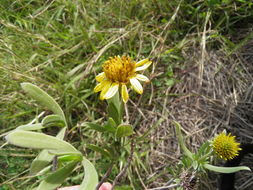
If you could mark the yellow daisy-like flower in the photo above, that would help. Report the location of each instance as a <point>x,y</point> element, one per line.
<point>225,146</point>
<point>117,73</point>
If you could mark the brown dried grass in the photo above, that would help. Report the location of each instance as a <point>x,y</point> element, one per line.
<point>220,99</point>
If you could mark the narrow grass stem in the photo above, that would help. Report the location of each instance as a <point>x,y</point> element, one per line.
<point>123,171</point>
<point>166,187</point>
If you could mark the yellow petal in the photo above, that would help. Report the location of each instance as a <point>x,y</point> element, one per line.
<point>106,87</point>
<point>111,91</point>
<point>100,77</point>
<point>100,86</point>
<point>143,67</point>
<point>142,78</point>
<point>124,93</point>
<point>141,62</point>
<point>136,85</point>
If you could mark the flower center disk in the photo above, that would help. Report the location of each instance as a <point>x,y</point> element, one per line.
<point>119,69</point>
<point>225,146</point>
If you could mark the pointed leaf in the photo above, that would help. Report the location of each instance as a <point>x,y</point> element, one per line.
<point>40,162</point>
<point>114,112</point>
<point>110,125</point>
<point>38,140</point>
<point>124,130</point>
<point>44,158</point>
<point>115,109</point>
<point>31,127</point>
<point>226,169</point>
<point>186,151</point>
<point>53,121</point>
<point>90,180</point>
<point>70,157</point>
<point>43,98</point>
<point>95,126</point>
<point>100,150</point>
<point>55,179</point>
<point>204,149</point>
<point>63,153</point>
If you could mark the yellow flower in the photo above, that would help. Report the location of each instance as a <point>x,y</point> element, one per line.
<point>225,146</point>
<point>117,73</point>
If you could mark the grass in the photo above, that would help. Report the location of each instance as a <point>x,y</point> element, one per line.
<point>60,45</point>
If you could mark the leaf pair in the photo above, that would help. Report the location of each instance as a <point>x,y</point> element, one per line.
<point>110,126</point>
<point>55,179</point>
<point>58,119</point>
<point>24,137</point>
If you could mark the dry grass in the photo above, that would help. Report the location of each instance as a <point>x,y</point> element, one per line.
<point>223,100</point>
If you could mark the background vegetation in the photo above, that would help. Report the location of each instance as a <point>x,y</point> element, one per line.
<point>202,68</point>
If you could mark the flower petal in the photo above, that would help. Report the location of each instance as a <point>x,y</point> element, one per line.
<point>100,86</point>
<point>105,89</point>
<point>111,91</point>
<point>141,62</point>
<point>143,67</point>
<point>142,78</point>
<point>136,85</point>
<point>124,93</point>
<point>100,77</point>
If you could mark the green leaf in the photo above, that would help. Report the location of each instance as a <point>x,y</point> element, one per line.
<point>40,162</point>
<point>30,127</point>
<point>186,151</point>
<point>55,153</point>
<point>226,1</point>
<point>170,82</point>
<point>53,120</point>
<point>30,139</point>
<point>110,125</point>
<point>55,179</point>
<point>226,169</point>
<point>186,161</point>
<point>124,130</point>
<point>95,126</point>
<point>204,149</point>
<point>44,158</point>
<point>43,98</point>
<point>115,109</point>
<point>90,180</point>
<point>170,72</point>
<point>100,150</point>
<point>113,112</point>
<point>195,165</point>
<point>70,157</point>
<point>212,3</point>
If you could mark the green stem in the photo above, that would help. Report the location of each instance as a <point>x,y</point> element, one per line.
<point>186,151</point>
